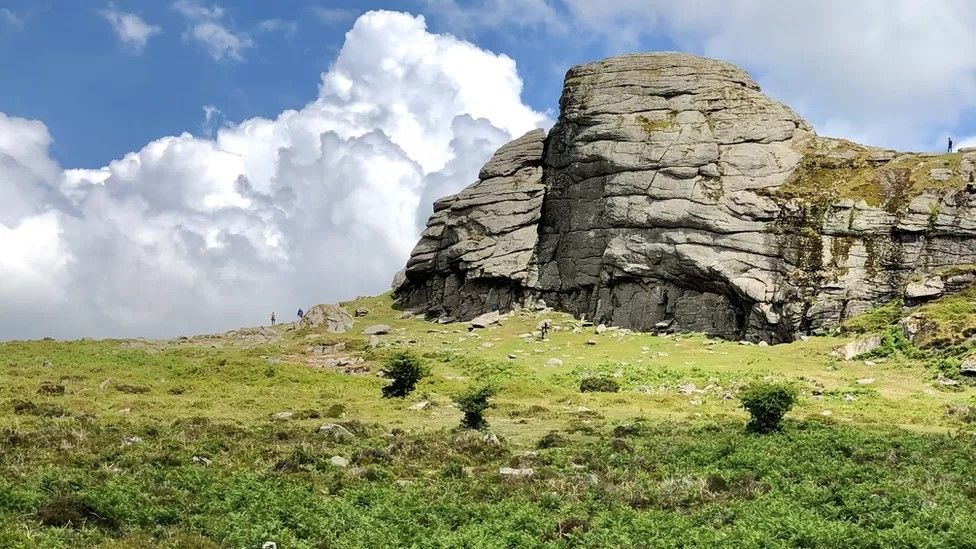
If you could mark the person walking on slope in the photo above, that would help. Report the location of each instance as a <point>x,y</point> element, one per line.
<point>950,145</point>
<point>544,327</point>
<point>301,314</point>
<point>272,318</point>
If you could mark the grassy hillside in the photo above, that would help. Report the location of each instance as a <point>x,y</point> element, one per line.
<point>215,441</point>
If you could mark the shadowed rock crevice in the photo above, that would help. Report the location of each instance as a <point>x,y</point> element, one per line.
<point>673,192</point>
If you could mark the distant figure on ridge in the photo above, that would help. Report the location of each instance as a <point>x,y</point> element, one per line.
<point>301,314</point>
<point>950,144</point>
<point>544,327</point>
<point>272,318</point>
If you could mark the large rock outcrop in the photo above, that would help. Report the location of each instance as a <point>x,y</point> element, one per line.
<point>673,190</point>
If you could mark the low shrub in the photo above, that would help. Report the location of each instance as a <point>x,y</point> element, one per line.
<point>405,370</point>
<point>767,403</point>
<point>599,384</point>
<point>473,404</point>
<point>551,440</point>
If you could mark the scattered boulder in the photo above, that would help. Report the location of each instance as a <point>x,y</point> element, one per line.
<point>968,367</point>
<point>334,318</point>
<point>339,461</point>
<point>859,347</point>
<point>202,460</point>
<point>47,364</point>
<point>485,320</point>
<point>362,311</point>
<point>513,473</point>
<point>336,432</point>
<point>377,329</point>
<point>591,342</point>
<point>419,406</point>
<point>925,289</point>
<point>600,329</point>
<point>283,415</point>
<point>554,362</point>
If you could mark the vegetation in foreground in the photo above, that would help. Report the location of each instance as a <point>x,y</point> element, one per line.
<point>235,441</point>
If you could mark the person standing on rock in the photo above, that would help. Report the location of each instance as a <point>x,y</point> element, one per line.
<point>301,314</point>
<point>272,318</point>
<point>950,145</point>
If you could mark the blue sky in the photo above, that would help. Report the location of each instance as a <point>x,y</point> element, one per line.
<point>64,65</point>
<point>61,63</point>
<point>127,210</point>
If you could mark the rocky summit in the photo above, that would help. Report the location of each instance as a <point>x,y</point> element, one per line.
<point>673,192</point>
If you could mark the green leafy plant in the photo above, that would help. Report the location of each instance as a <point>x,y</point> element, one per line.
<point>473,404</point>
<point>767,403</point>
<point>405,370</point>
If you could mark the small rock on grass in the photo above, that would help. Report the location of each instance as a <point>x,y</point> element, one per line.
<point>419,406</point>
<point>510,472</point>
<point>335,431</point>
<point>377,329</point>
<point>339,461</point>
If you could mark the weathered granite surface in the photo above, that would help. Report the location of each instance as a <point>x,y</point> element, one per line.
<point>673,190</point>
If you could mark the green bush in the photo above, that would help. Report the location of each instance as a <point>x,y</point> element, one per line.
<point>473,404</point>
<point>404,369</point>
<point>599,384</point>
<point>767,403</point>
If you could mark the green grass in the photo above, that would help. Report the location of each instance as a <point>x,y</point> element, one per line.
<point>949,320</point>
<point>182,443</point>
<point>834,169</point>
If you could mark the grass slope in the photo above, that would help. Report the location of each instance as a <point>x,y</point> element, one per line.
<point>183,443</point>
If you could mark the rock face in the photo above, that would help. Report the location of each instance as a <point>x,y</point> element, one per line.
<point>672,190</point>
<point>479,244</point>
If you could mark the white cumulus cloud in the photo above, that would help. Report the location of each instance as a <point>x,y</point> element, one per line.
<point>207,27</point>
<point>193,234</point>
<point>130,28</point>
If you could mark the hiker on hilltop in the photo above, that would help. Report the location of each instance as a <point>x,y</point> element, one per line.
<point>301,314</point>
<point>950,144</point>
<point>272,318</point>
